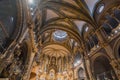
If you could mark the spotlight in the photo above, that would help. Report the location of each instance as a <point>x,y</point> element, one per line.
<point>116,31</point>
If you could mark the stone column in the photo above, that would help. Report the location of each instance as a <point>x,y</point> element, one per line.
<point>85,67</point>
<point>88,66</point>
<point>27,74</point>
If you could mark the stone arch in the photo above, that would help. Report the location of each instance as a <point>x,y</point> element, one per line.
<point>28,51</point>
<point>27,43</point>
<point>102,68</point>
<point>97,55</point>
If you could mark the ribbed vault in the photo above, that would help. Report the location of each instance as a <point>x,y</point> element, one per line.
<point>56,17</point>
<point>63,15</point>
<point>55,51</point>
<point>72,17</point>
<point>69,16</point>
<point>53,39</point>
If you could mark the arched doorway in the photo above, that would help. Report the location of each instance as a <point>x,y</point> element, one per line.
<point>103,70</point>
<point>81,74</point>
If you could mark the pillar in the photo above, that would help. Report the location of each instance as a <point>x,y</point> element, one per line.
<point>88,67</point>
<point>27,74</point>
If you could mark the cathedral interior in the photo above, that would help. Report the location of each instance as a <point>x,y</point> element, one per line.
<point>59,39</point>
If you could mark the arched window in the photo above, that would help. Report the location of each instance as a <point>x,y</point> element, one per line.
<point>81,75</point>
<point>117,14</point>
<point>89,46</point>
<point>107,28</point>
<point>112,21</point>
<point>100,8</point>
<point>77,59</point>
<point>103,70</point>
<point>95,39</point>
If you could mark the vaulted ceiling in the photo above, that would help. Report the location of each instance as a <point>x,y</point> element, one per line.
<point>72,16</point>
<point>57,31</point>
<point>55,17</point>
